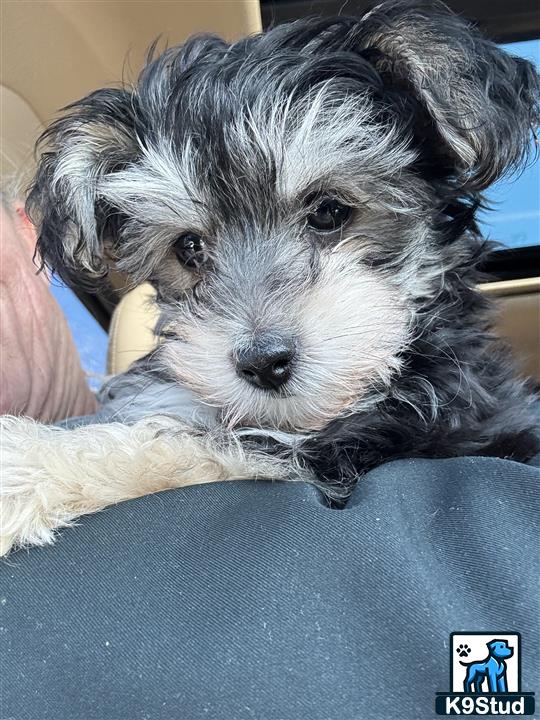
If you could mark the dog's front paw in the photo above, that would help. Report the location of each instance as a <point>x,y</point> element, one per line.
<point>27,510</point>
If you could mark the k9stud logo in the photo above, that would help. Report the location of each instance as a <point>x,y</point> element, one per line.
<point>485,676</point>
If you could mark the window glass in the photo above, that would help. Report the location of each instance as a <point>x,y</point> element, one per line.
<point>90,338</point>
<point>514,217</point>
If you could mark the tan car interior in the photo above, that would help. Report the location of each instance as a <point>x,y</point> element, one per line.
<point>56,51</point>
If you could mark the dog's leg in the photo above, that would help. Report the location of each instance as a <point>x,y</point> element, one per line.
<point>50,476</point>
<point>478,682</point>
<point>468,682</point>
<point>491,676</point>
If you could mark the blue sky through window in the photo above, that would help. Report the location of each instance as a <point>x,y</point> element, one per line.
<point>90,338</point>
<point>514,219</point>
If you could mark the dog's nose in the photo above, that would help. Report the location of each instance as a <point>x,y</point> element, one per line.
<point>266,361</point>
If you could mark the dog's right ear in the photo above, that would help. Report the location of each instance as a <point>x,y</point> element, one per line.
<point>481,102</point>
<point>94,137</point>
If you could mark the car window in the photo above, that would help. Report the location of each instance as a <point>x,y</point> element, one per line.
<point>514,217</point>
<point>90,338</point>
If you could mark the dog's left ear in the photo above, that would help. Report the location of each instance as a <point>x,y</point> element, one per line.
<point>482,102</point>
<point>94,137</point>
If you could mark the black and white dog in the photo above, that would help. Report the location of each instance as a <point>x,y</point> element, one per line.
<point>304,202</point>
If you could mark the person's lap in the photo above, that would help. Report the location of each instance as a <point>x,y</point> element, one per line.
<point>255,600</point>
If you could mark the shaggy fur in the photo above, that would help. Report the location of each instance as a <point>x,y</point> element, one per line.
<point>404,116</point>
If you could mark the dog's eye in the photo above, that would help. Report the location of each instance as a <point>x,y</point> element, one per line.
<point>190,250</point>
<point>329,215</point>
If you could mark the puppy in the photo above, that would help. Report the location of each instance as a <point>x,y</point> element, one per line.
<point>493,669</point>
<point>304,202</point>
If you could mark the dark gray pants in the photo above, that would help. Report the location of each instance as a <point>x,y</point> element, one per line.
<point>254,600</point>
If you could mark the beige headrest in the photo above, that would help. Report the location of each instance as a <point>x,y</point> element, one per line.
<point>131,334</point>
<point>19,129</point>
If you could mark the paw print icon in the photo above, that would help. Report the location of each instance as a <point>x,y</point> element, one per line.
<point>463,650</point>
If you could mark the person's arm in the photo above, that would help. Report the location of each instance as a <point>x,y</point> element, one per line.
<point>40,370</point>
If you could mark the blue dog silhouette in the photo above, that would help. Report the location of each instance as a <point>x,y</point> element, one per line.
<point>493,668</point>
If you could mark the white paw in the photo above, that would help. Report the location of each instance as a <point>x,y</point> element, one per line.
<point>27,513</point>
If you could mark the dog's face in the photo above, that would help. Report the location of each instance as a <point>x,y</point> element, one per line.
<point>286,196</point>
<point>262,237</point>
<point>499,649</point>
<point>274,311</point>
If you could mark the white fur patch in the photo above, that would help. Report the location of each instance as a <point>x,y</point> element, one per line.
<point>63,474</point>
